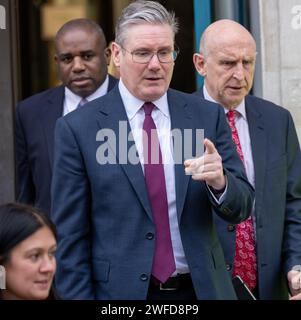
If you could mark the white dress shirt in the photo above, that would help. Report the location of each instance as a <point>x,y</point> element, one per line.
<point>72,100</point>
<point>161,117</point>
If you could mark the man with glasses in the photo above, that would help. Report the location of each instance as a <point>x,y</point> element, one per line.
<point>142,228</point>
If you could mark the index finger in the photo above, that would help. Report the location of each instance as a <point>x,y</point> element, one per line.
<point>210,148</point>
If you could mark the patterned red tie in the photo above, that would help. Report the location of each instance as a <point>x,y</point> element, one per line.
<point>245,255</point>
<point>164,262</point>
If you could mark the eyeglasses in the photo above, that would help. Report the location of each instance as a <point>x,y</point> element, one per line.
<point>144,56</point>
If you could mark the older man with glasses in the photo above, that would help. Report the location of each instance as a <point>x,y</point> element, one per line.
<point>143,230</point>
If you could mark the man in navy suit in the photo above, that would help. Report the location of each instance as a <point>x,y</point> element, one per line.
<point>82,66</point>
<point>271,156</point>
<point>111,241</point>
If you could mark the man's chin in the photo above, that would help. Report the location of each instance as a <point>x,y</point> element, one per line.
<point>82,92</point>
<point>154,92</point>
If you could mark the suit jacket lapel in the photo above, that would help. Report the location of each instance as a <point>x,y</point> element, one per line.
<point>111,113</point>
<point>180,119</point>
<point>258,143</point>
<point>51,110</point>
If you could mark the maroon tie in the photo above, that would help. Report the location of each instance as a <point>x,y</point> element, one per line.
<point>245,255</point>
<point>164,262</point>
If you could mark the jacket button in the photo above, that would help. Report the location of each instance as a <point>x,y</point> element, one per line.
<point>144,277</point>
<point>231,228</point>
<point>226,211</point>
<point>149,236</point>
<point>229,267</point>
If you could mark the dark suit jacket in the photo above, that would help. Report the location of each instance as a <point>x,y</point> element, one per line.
<point>103,214</point>
<point>35,123</point>
<point>277,164</point>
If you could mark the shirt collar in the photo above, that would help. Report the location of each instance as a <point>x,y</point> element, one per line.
<point>241,108</point>
<point>133,105</point>
<point>73,99</point>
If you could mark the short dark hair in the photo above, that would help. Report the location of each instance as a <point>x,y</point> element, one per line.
<point>18,222</point>
<point>81,24</point>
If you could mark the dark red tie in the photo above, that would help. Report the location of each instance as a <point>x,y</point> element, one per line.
<point>245,255</point>
<point>164,262</point>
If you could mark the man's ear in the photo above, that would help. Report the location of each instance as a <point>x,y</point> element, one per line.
<point>108,53</point>
<point>199,64</point>
<point>116,52</point>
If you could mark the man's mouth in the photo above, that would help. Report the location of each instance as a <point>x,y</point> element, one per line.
<point>80,81</point>
<point>153,78</point>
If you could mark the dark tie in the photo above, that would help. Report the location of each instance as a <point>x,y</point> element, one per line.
<point>82,102</point>
<point>163,263</point>
<point>245,255</point>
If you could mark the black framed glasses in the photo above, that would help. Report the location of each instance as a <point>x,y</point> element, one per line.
<point>144,56</point>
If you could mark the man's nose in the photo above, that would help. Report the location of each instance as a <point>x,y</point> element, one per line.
<point>154,62</point>
<point>78,64</point>
<point>238,73</point>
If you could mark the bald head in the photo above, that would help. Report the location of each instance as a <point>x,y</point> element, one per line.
<point>227,62</point>
<point>223,33</point>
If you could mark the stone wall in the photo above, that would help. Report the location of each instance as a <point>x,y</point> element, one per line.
<point>280,54</point>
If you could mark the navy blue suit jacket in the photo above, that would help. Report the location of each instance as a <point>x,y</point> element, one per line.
<point>277,165</point>
<point>35,122</point>
<point>103,214</point>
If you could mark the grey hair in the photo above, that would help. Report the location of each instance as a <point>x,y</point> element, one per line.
<point>141,12</point>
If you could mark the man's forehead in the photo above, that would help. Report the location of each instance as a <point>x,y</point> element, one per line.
<point>234,51</point>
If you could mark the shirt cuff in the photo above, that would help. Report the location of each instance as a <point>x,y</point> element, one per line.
<point>218,196</point>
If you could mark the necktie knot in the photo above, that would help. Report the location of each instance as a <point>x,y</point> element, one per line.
<point>82,102</point>
<point>148,108</point>
<point>231,117</point>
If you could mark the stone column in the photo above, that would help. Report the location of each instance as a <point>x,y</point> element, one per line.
<point>280,56</point>
<point>8,93</point>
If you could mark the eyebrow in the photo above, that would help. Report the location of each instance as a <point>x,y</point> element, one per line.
<point>54,246</point>
<point>68,54</point>
<point>148,49</point>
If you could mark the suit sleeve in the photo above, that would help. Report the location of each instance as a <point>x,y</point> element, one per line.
<point>70,213</point>
<point>292,232</point>
<point>25,186</point>
<point>238,201</point>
